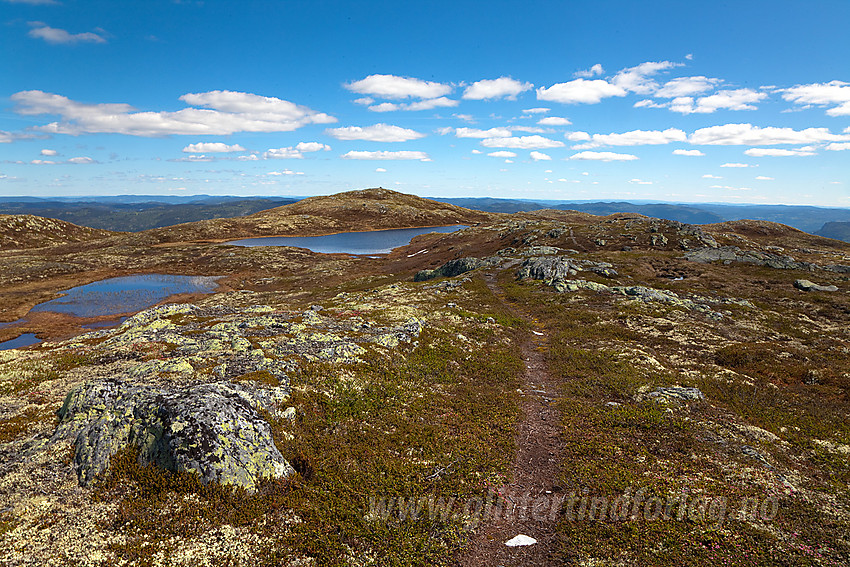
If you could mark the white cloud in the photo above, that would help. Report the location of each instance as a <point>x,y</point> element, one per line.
<point>634,138</point>
<point>580,91</point>
<point>835,94</point>
<point>212,147</point>
<point>649,103</point>
<point>694,153</point>
<point>81,160</point>
<point>686,86</point>
<point>554,121</point>
<point>775,152</point>
<point>522,143</point>
<point>58,36</point>
<point>441,102</point>
<point>531,129</point>
<point>636,79</point>
<point>72,161</point>
<point>465,117</point>
<point>49,152</point>
<point>764,178</point>
<point>6,137</point>
<point>285,172</point>
<point>417,105</point>
<point>376,133</point>
<point>203,158</point>
<point>602,156</point>
<point>710,176</point>
<point>476,151</point>
<point>739,99</point>
<point>365,101</point>
<point>736,165</point>
<point>283,153</point>
<point>540,156</point>
<point>476,133</point>
<point>395,87</point>
<point>837,147</point>
<point>312,147</point>
<point>592,72</point>
<point>503,87</point>
<point>224,113</point>
<point>577,136</point>
<point>385,155</point>
<point>502,154</point>
<point>539,110</point>
<point>380,170</point>
<point>749,135</point>
<point>384,107</point>
<point>640,182</point>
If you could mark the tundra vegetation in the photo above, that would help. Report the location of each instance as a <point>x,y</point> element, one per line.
<point>702,397</point>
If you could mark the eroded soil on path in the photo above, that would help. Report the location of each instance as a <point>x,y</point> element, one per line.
<point>530,500</point>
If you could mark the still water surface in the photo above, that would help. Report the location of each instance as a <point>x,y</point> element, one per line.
<point>127,294</point>
<point>371,242</point>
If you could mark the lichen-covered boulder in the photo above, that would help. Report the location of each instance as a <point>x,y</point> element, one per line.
<point>548,269</point>
<point>215,430</point>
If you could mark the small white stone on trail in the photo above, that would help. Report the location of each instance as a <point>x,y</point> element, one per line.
<point>539,334</point>
<point>519,540</point>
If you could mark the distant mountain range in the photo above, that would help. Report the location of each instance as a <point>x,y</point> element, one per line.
<point>141,212</point>
<point>805,218</point>
<point>134,213</point>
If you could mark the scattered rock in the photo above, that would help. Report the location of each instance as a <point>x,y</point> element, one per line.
<point>659,240</point>
<point>676,394</point>
<point>576,285</point>
<point>806,285</point>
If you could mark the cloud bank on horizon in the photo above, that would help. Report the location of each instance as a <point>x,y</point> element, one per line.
<point>654,129</point>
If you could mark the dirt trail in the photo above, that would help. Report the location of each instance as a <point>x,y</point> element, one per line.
<point>531,498</point>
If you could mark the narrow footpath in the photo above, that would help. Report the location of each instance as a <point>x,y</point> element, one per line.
<point>532,497</point>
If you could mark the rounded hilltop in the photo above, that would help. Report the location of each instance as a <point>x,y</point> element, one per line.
<point>30,231</point>
<point>361,210</point>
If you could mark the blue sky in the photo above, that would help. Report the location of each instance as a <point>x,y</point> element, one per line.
<point>741,102</point>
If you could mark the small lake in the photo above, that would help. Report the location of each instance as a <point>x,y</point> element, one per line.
<point>370,242</point>
<point>26,339</point>
<point>125,294</point>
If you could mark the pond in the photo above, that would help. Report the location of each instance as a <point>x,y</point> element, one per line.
<point>126,294</point>
<point>26,339</point>
<point>371,242</point>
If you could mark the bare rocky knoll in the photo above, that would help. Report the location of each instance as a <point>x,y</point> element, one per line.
<point>30,231</point>
<point>368,209</point>
<point>328,410</point>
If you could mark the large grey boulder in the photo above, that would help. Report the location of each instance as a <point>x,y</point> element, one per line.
<point>553,269</point>
<point>806,285</point>
<point>215,430</point>
<point>548,268</point>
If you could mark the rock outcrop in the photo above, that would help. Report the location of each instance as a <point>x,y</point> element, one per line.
<point>730,254</point>
<point>454,267</point>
